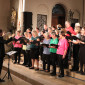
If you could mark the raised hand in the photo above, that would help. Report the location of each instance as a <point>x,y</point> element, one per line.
<point>13,35</point>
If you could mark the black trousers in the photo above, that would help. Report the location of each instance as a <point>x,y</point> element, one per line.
<point>54,60</point>
<point>65,62</point>
<point>1,64</point>
<point>46,60</point>
<point>81,67</point>
<point>17,54</point>
<point>75,57</point>
<point>28,58</point>
<point>25,57</point>
<point>69,52</point>
<point>41,52</point>
<point>60,62</point>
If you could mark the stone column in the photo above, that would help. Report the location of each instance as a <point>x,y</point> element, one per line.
<point>20,15</point>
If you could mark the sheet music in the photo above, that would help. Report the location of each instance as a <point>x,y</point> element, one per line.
<point>24,47</point>
<point>11,53</point>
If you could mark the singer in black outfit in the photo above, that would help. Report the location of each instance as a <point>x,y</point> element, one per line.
<point>82,52</point>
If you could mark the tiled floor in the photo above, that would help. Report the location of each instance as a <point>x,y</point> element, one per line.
<point>26,76</point>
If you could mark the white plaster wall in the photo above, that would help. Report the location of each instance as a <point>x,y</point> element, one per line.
<point>4,13</point>
<point>45,7</point>
<point>15,4</point>
<point>84,12</point>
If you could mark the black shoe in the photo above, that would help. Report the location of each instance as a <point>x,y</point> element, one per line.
<point>1,80</point>
<point>37,69</point>
<point>31,67</point>
<point>60,76</point>
<point>26,65</point>
<point>82,73</point>
<point>72,70</point>
<point>42,69</point>
<point>18,62</point>
<point>53,74</point>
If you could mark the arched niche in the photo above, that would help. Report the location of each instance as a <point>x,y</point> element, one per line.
<point>58,15</point>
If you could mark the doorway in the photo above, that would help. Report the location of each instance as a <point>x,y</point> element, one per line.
<point>58,15</point>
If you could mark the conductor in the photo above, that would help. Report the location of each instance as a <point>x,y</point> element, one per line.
<point>2,50</point>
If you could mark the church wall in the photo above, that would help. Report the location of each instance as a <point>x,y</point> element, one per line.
<point>4,14</point>
<point>84,12</point>
<point>45,7</point>
<point>15,4</point>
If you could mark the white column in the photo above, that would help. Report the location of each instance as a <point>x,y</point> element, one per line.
<point>20,10</point>
<point>23,5</point>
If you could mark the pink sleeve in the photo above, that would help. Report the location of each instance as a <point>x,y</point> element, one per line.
<point>66,44</point>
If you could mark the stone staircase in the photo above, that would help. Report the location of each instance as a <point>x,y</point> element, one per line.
<point>32,76</point>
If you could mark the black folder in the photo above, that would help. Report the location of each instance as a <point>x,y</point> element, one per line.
<point>56,46</point>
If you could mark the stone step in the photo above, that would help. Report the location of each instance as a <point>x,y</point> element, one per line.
<point>40,77</point>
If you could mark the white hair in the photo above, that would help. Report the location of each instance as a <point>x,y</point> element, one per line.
<point>77,24</point>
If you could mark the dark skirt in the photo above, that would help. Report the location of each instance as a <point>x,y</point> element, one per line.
<point>34,53</point>
<point>82,54</point>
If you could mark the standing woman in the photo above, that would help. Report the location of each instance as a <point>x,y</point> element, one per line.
<point>82,51</point>
<point>46,53</point>
<point>24,49</point>
<point>28,49</point>
<point>61,52</point>
<point>76,50</point>
<point>53,50</point>
<point>34,53</point>
<point>17,46</point>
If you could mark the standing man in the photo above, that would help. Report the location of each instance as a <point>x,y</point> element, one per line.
<point>2,51</point>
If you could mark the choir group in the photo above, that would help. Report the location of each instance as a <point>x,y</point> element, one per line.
<point>54,46</point>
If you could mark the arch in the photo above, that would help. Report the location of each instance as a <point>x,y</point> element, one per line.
<point>58,15</point>
<point>64,6</point>
<point>58,9</point>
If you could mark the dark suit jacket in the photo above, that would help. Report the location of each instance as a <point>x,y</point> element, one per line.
<point>2,48</point>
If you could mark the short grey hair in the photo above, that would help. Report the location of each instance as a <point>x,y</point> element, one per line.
<point>53,33</point>
<point>47,34</point>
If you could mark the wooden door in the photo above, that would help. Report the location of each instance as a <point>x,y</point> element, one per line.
<point>58,19</point>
